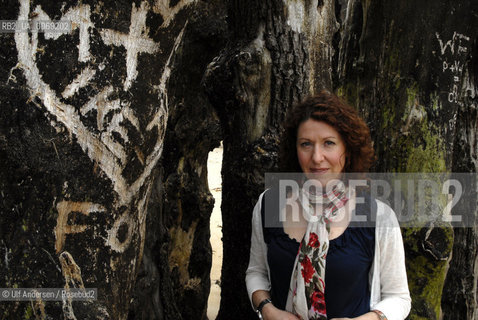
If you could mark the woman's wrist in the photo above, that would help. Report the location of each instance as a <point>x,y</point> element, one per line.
<point>380,314</point>
<point>267,310</point>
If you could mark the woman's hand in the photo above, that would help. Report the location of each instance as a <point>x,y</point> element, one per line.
<point>270,312</point>
<point>367,316</point>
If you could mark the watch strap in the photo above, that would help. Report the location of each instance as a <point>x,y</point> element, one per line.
<point>262,304</point>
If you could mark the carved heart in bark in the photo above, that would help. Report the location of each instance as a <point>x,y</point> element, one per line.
<point>87,78</point>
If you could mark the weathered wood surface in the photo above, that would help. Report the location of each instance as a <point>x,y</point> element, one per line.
<point>278,53</point>
<point>83,125</point>
<point>410,68</point>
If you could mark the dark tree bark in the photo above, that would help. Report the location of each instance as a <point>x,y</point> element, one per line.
<point>411,68</point>
<point>459,300</point>
<point>265,68</point>
<point>174,281</point>
<point>83,124</point>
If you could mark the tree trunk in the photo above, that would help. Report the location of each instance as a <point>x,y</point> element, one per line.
<point>174,281</point>
<point>459,300</point>
<point>266,67</point>
<point>411,68</point>
<point>83,124</point>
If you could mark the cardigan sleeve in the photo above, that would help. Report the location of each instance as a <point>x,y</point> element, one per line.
<point>394,301</point>
<point>257,273</point>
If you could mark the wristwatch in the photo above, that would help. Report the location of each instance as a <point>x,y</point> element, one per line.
<point>261,305</point>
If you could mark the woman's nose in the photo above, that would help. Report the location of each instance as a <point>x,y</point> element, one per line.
<point>318,155</point>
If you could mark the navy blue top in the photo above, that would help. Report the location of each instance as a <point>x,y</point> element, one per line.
<point>348,262</point>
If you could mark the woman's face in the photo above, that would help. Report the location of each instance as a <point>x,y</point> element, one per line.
<point>321,150</point>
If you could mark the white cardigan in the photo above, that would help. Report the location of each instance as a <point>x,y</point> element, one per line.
<point>387,278</point>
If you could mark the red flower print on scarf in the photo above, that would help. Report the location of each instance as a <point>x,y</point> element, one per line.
<point>318,301</point>
<point>307,269</point>
<point>314,240</point>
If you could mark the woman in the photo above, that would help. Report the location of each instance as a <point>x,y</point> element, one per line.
<point>316,265</point>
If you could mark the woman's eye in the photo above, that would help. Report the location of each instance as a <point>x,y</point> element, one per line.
<point>329,143</point>
<point>305,144</point>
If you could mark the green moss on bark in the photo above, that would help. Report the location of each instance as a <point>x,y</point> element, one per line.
<point>349,93</point>
<point>411,143</point>
<point>427,157</point>
<point>426,276</point>
<point>424,151</point>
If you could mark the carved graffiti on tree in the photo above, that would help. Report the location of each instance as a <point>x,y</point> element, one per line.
<point>453,53</point>
<point>123,142</point>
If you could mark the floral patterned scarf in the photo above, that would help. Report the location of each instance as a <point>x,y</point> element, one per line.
<point>306,293</point>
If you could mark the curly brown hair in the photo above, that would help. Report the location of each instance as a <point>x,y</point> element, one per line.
<point>329,108</point>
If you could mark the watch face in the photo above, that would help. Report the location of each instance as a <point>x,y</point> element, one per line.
<point>259,314</point>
